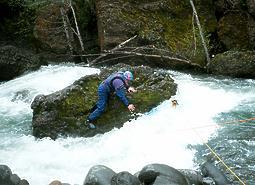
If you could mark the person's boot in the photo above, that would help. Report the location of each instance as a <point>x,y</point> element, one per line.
<point>90,125</point>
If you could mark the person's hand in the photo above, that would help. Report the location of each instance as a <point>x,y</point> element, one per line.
<point>131,90</point>
<point>131,107</point>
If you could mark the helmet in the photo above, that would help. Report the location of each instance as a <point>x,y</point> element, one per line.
<point>128,76</point>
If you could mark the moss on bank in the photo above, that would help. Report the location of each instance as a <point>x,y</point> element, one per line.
<point>169,24</point>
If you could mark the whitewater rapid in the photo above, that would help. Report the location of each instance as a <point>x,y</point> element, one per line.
<point>159,136</point>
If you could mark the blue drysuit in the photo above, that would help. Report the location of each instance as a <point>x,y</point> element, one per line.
<point>113,84</point>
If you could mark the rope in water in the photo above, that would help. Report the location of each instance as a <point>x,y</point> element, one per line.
<point>228,168</point>
<point>213,125</point>
<point>218,157</point>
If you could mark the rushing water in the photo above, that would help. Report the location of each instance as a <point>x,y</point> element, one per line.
<point>173,136</point>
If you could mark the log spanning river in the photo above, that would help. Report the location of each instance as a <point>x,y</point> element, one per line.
<point>213,112</point>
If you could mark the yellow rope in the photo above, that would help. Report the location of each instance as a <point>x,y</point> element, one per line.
<point>224,163</point>
<point>217,156</point>
<point>214,125</point>
<point>242,120</point>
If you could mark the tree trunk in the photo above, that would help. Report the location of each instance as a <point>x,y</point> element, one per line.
<point>66,30</point>
<point>201,33</point>
<point>76,25</point>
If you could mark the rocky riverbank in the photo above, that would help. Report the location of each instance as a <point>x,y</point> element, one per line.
<point>167,34</point>
<point>151,174</point>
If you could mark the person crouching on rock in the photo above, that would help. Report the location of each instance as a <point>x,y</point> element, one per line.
<point>116,83</point>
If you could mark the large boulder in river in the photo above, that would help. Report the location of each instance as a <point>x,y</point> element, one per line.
<point>64,112</point>
<point>234,63</point>
<point>15,61</point>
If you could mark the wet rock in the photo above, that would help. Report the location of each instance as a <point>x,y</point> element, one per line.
<point>64,112</point>
<point>192,176</point>
<point>208,181</point>
<point>5,173</point>
<point>99,175</point>
<point>210,170</point>
<point>57,182</point>
<point>159,174</point>
<point>7,178</point>
<point>234,63</point>
<point>15,61</point>
<point>152,174</point>
<point>125,178</point>
<point>23,182</point>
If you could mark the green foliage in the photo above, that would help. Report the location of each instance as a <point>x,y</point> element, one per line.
<point>20,25</point>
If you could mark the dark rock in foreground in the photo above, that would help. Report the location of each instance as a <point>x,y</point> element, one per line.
<point>64,112</point>
<point>161,174</point>
<point>7,178</point>
<point>151,174</point>
<point>209,169</point>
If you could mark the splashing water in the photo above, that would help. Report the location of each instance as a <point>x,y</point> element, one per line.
<point>159,136</point>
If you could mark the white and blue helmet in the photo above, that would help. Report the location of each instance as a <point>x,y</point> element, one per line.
<point>128,76</point>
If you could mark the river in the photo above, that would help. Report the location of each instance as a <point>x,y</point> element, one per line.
<point>208,112</point>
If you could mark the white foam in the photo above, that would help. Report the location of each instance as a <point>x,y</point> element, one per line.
<point>160,136</point>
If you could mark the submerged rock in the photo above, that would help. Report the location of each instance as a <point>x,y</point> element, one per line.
<point>64,112</point>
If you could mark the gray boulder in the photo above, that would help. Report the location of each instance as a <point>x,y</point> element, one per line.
<point>210,170</point>
<point>161,174</point>
<point>99,175</point>
<point>15,61</point>
<point>234,63</point>
<point>192,176</point>
<point>125,178</point>
<point>7,178</point>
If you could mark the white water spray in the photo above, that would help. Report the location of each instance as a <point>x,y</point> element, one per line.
<point>160,136</point>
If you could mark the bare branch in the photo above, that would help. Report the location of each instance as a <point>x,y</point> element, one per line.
<point>123,43</point>
<point>132,54</point>
<point>194,33</point>
<point>74,31</point>
<point>76,25</point>
<point>151,55</point>
<point>115,58</point>
<point>114,49</point>
<point>87,55</point>
<point>66,30</point>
